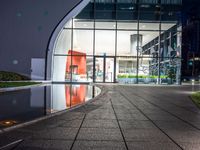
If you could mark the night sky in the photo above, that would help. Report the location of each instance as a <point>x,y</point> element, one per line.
<point>191,9</point>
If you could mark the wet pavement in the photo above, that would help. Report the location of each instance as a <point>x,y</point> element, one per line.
<point>122,117</point>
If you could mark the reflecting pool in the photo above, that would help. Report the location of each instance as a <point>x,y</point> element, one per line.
<point>24,105</point>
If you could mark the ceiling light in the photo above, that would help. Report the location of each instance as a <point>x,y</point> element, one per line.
<point>144,6</point>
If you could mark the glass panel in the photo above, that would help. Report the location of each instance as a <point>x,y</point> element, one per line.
<point>83,24</point>
<point>87,12</point>
<point>60,71</point>
<point>126,70</point>
<point>126,10</point>
<point>105,1</point>
<point>167,25</point>
<point>105,14</point>
<point>143,70</point>
<point>127,14</point>
<point>104,42</point>
<point>105,25</point>
<point>63,43</point>
<point>148,57</point>
<point>109,72</point>
<point>149,37</point>
<point>149,12</point>
<point>171,15</point>
<point>81,68</point>
<point>126,43</point>
<point>171,1</point>
<point>83,42</point>
<point>99,69</point>
<point>148,1</point>
<point>170,71</point>
<point>149,26</point>
<point>126,1</point>
<point>127,25</point>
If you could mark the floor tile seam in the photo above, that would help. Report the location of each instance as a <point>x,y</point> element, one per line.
<point>172,103</point>
<point>119,125</point>
<point>144,99</point>
<point>152,121</point>
<point>78,132</point>
<point>169,113</point>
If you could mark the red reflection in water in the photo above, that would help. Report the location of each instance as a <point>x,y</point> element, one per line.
<point>78,94</point>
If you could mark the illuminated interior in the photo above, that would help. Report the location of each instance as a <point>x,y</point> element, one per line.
<point>99,48</point>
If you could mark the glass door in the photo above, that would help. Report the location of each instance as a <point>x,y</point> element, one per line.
<point>99,69</point>
<point>104,69</point>
<point>109,70</point>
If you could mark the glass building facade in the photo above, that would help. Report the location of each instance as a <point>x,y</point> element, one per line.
<point>124,41</point>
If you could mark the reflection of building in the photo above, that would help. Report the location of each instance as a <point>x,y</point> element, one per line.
<point>122,41</point>
<point>75,95</point>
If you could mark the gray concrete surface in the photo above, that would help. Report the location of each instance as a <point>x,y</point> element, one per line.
<point>124,117</point>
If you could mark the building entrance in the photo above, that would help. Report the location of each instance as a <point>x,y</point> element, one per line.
<point>104,69</point>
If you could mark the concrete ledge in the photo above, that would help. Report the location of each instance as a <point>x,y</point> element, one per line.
<point>41,83</point>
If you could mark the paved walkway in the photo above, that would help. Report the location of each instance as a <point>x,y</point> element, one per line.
<point>123,117</point>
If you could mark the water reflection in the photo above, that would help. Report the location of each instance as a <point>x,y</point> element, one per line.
<point>25,105</point>
<point>66,96</point>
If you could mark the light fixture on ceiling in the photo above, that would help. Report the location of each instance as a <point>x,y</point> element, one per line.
<point>143,26</point>
<point>144,6</point>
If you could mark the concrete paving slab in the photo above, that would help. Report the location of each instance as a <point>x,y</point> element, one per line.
<point>45,145</point>
<point>100,134</point>
<point>59,133</point>
<point>100,124</point>
<point>136,124</point>
<point>145,135</point>
<point>144,145</point>
<point>99,145</point>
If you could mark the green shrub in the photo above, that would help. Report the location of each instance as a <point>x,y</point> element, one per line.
<point>163,76</point>
<point>122,76</point>
<point>16,84</point>
<point>132,76</point>
<point>11,76</point>
<point>196,98</point>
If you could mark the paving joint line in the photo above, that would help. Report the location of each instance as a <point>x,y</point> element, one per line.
<point>119,125</point>
<point>151,120</point>
<point>78,132</point>
<point>168,112</point>
<point>173,103</point>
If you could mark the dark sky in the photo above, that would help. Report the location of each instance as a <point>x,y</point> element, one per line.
<point>190,10</point>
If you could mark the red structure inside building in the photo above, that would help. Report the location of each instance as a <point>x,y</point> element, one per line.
<point>76,63</point>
